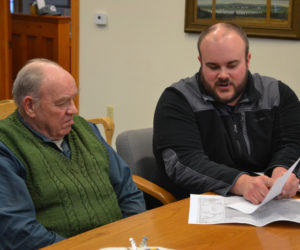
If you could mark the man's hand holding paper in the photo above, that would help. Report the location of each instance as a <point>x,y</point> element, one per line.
<point>291,186</point>
<point>275,191</point>
<point>253,189</point>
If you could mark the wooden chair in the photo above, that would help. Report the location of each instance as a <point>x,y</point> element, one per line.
<point>109,127</point>
<point>8,106</point>
<point>153,190</point>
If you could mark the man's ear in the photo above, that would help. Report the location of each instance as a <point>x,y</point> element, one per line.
<point>28,105</point>
<point>248,59</point>
<point>199,59</point>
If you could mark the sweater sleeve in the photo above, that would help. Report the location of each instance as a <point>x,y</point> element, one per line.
<point>286,146</point>
<point>19,228</point>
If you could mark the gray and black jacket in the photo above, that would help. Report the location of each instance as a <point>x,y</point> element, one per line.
<point>202,145</point>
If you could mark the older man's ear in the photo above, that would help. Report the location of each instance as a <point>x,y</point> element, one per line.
<point>29,106</point>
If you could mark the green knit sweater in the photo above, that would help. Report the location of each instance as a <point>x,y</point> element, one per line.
<point>70,195</point>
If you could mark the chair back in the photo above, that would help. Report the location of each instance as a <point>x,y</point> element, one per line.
<point>7,107</point>
<point>135,147</point>
<point>109,127</point>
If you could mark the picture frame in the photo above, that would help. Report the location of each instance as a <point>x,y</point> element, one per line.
<point>262,18</point>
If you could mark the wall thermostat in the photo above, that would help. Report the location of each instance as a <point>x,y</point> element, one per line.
<point>100,19</point>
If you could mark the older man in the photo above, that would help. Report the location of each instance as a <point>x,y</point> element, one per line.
<point>214,131</point>
<point>58,176</point>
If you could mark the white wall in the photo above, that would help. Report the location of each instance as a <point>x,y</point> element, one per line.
<point>143,49</point>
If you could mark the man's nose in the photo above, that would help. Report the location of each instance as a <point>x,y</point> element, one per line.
<point>223,75</point>
<point>72,109</point>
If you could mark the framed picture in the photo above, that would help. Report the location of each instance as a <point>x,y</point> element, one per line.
<point>260,18</point>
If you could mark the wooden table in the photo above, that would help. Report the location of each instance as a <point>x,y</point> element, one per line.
<point>167,226</point>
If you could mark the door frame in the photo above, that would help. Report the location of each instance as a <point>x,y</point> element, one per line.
<point>75,44</point>
<point>5,50</point>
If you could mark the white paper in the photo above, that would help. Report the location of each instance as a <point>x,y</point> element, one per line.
<point>248,208</point>
<point>212,209</point>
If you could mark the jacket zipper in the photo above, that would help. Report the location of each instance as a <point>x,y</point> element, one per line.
<point>236,137</point>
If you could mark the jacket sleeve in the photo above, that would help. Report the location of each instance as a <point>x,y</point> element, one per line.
<point>130,198</point>
<point>178,147</point>
<point>19,228</point>
<point>286,136</point>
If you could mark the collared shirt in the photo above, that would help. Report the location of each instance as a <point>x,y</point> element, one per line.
<point>19,228</point>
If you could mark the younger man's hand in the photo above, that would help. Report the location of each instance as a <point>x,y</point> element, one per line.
<point>291,186</point>
<point>253,189</point>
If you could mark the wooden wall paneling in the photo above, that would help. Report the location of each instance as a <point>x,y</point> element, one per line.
<point>18,57</point>
<point>63,44</point>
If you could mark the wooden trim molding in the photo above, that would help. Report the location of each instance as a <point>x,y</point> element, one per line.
<point>75,44</point>
<point>5,50</point>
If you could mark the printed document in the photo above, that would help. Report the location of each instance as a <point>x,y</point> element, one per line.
<point>212,209</point>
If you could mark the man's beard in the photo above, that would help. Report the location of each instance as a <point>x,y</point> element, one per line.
<point>238,90</point>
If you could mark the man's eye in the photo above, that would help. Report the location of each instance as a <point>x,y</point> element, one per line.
<point>213,67</point>
<point>232,65</point>
<point>61,104</point>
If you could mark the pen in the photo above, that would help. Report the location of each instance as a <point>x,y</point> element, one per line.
<point>133,245</point>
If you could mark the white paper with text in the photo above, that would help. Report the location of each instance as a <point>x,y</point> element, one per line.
<point>213,209</point>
